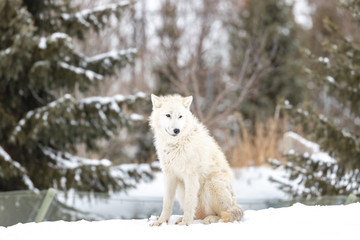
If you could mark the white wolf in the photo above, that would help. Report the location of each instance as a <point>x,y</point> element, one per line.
<point>194,166</point>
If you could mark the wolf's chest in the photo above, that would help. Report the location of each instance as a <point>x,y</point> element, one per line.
<point>174,151</point>
<point>175,156</point>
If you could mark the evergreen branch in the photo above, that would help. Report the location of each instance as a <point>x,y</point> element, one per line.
<point>284,184</point>
<point>80,22</point>
<point>5,52</point>
<point>352,6</point>
<point>60,69</point>
<point>11,170</point>
<point>350,94</point>
<point>15,55</point>
<point>74,121</point>
<point>6,121</point>
<point>92,174</point>
<point>37,62</point>
<point>339,70</point>
<point>68,68</point>
<point>64,160</point>
<point>131,174</point>
<point>308,177</point>
<point>84,77</point>
<point>60,41</point>
<point>341,144</point>
<point>105,63</point>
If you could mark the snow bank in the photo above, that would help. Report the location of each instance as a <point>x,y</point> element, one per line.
<point>295,143</point>
<point>296,222</point>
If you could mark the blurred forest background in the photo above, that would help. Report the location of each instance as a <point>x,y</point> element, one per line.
<point>240,59</point>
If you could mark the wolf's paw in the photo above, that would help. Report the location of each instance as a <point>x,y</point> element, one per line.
<point>158,222</point>
<point>183,221</point>
<point>211,219</point>
<point>179,220</point>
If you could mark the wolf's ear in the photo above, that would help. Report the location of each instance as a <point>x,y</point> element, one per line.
<point>187,102</point>
<point>156,101</point>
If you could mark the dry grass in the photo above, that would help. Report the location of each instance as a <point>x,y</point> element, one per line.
<point>253,149</point>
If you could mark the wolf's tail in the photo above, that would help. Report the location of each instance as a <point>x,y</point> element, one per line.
<point>235,213</point>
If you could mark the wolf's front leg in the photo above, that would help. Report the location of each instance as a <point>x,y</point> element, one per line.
<point>168,199</point>
<point>192,187</point>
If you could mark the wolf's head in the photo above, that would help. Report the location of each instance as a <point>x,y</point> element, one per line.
<point>170,114</point>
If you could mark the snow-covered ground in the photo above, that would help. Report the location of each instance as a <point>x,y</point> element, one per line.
<point>296,222</point>
<point>252,186</point>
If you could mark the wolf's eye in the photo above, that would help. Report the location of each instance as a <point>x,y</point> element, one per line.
<point>180,116</point>
<point>168,115</point>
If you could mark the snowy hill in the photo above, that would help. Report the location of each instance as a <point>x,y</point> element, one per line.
<point>296,222</point>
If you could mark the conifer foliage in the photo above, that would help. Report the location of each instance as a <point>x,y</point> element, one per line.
<point>338,72</point>
<point>39,125</point>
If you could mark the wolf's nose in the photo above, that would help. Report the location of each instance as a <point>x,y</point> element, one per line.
<point>176,131</point>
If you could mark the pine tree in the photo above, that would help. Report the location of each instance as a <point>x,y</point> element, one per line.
<point>39,126</point>
<point>263,45</point>
<point>337,73</point>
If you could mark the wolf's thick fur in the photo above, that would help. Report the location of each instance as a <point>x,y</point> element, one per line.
<point>194,166</point>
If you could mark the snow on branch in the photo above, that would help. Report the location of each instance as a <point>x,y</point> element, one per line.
<point>54,38</point>
<point>113,7</point>
<point>41,113</point>
<point>65,68</point>
<point>309,171</point>
<point>66,160</point>
<point>90,75</point>
<point>294,142</point>
<point>9,166</point>
<point>341,141</point>
<point>113,101</point>
<point>73,67</point>
<point>96,17</point>
<point>308,176</point>
<point>93,170</point>
<point>6,56</point>
<point>112,55</point>
<point>5,52</point>
<point>73,121</point>
<point>131,174</point>
<point>105,63</point>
